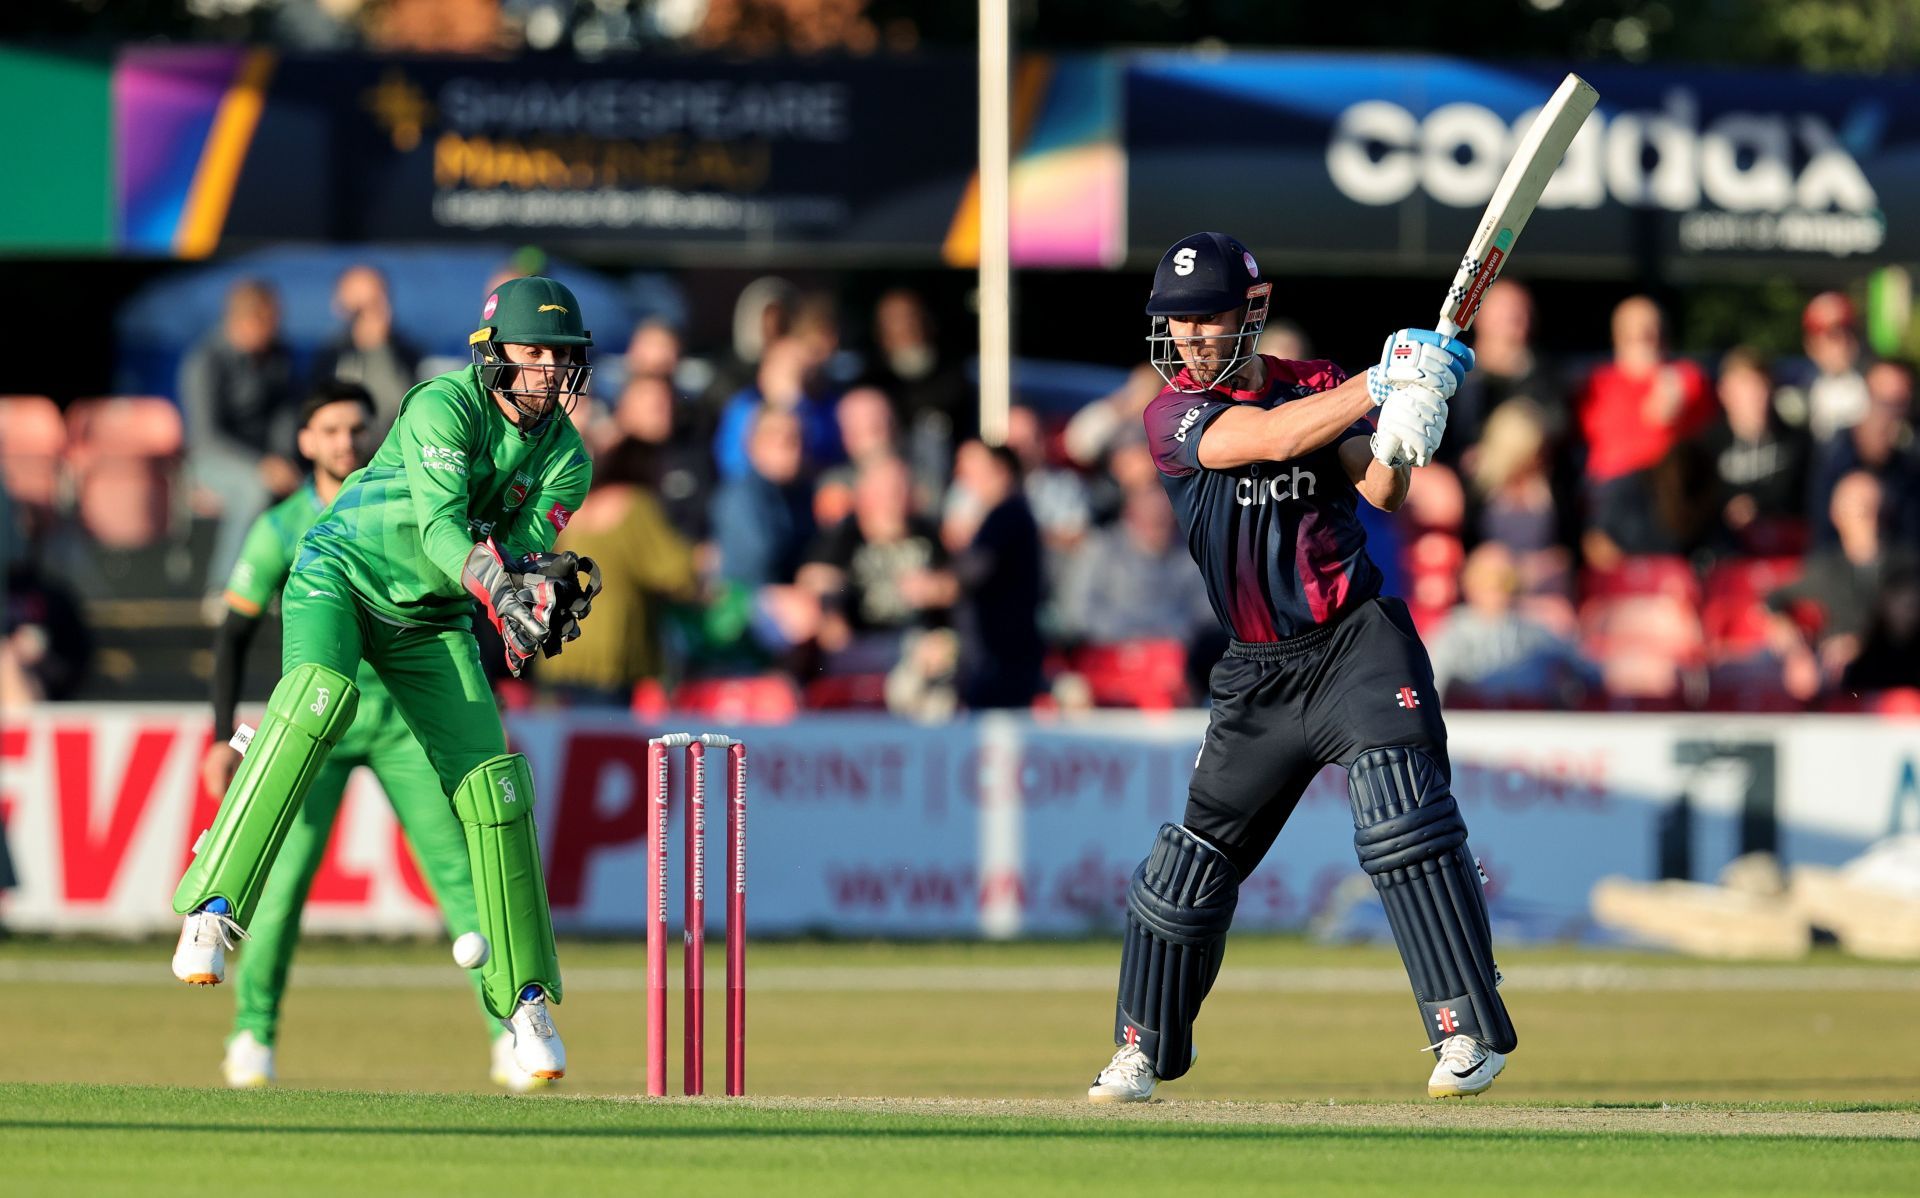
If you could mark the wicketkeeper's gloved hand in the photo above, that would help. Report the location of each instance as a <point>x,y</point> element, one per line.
<point>514,608</point>
<point>564,586</point>
<point>1422,356</point>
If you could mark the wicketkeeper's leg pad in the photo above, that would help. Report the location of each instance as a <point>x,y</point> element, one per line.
<point>1179,907</point>
<point>1411,839</point>
<point>495,804</point>
<point>307,714</point>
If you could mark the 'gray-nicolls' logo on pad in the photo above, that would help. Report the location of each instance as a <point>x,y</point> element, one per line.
<point>1408,698</point>
<point>1445,1019</point>
<point>1132,1034</point>
<point>517,490</point>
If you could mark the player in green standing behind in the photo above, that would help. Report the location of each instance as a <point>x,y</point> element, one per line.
<point>334,436</point>
<point>461,502</point>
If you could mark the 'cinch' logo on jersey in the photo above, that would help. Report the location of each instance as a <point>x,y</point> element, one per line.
<point>1250,492</point>
<point>517,491</point>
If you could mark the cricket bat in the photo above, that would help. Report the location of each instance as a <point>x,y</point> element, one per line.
<point>1514,200</point>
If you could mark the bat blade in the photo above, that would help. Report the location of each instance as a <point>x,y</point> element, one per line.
<point>1514,200</point>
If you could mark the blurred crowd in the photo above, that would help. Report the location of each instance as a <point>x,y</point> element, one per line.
<point>804,516</point>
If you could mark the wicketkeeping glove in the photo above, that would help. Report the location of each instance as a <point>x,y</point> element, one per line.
<point>567,597</point>
<point>510,604</point>
<point>1420,356</point>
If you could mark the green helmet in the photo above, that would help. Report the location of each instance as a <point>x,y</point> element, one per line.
<point>532,311</point>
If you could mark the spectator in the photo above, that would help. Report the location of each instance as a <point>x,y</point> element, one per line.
<point>237,392</point>
<point>1632,413</point>
<point>1505,367</point>
<point>1495,654</point>
<point>762,315</point>
<point>1759,463</point>
<point>645,565</point>
<point>879,572</point>
<point>864,417</point>
<point>1880,443</point>
<point>1830,394</point>
<point>763,521</point>
<point>48,648</point>
<point>1098,427</point>
<point>788,380</point>
<point>676,466</point>
<point>1890,646</point>
<point>367,351</point>
<point>1135,580</point>
<point>1283,339</point>
<point>1514,500</point>
<point>653,351</point>
<point>997,562</point>
<point>1841,586</point>
<point>1057,496</point>
<point>937,407</point>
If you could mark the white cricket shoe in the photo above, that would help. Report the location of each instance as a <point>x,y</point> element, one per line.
<point>200,959</point>
<point>1129,1077</point>
<point>249,1063</point>
<point>536,1046</point>
<point>507,1072</point>
<point>1466,1067</point>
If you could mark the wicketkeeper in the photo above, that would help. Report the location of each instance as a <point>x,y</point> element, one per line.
<point>335,435</point>
<point>461,502</point>
<point>1265,461</point>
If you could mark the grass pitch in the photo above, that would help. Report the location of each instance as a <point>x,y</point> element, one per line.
<point>1636,1074</point>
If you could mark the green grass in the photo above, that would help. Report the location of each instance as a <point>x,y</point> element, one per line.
<point>385,1090</point>
<point>85,1139</point>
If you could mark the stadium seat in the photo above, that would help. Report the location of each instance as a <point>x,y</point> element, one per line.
<point>761,698</point>
<point>1649,647</point>
<point>33,439</point>
<point>1651,574</point>
<point>125,455</point>
<point>847,692</point>
<point>1734,611</point>
<point>1147,674</point>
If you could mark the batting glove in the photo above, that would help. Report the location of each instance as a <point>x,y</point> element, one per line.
<point>1420,356</point>
<point>1410,426</point>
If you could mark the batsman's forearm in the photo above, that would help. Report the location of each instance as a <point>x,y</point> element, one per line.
<point>1304,425</point>
<point>1385,487</point>
<point>230,646</point>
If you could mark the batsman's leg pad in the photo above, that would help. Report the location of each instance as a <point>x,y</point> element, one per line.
<point>495,803</point>
<point>1412,841</point>
<point>1179,907</point>
<point>307,714</point>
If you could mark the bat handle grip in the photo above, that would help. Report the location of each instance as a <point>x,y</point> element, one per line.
<point>1446,328</point>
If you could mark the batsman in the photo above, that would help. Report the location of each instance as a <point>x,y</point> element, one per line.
<point>1265,461</point>
<point>461,502</point>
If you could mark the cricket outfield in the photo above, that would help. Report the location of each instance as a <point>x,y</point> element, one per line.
<point>957,1068</point>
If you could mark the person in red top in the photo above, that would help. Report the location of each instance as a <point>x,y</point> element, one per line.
<point>1633,411</point>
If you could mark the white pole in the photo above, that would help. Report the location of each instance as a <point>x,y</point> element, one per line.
<point>996,289</point>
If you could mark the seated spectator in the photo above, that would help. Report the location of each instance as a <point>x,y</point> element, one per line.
<point>653,351</point>
<point>1890,647</point>
<point>762,315</point>
<point>1505,367</point>
<point>238,396</point>
<point>1881,443</point>
<point>1098,427</point>
<point>1057,496</point>
<point>1759,463</point>
<point>1510,485</point>
<point>1828,394</point>
<point>367,351</point>
<point>864,416</point>
<point>1135,581</point>
<point>763,521</point>
<point>1633,411</point>
<point>1842,585</point>
<point>937,407</point>
<point>1498,655</point>
<point>788,380</point>
<point>879,572</point>
<point>1281,338</point>
<point>678,466</point>
<point>997,561</point>
<point>644,564</point>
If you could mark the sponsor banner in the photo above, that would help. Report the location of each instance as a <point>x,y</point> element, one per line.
<point>997,826</point>
<point>1391,161</point>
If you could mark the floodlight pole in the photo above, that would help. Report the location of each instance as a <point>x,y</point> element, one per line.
<point>996,282</point>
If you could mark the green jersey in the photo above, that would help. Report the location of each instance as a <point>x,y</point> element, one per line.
<point>452,472</point>
<point>266,559</point>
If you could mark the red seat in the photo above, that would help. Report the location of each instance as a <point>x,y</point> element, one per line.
<point>1734,613</point>
<point>1649,646</point>
<point>1651,574</point>
<point>761,698</point>
<point>848,692</point>
<point>125,453</point>
<point>33,440</point>
<point>1151,675</point>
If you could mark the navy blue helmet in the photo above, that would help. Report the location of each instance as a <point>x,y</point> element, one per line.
<point>1203,275</point>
